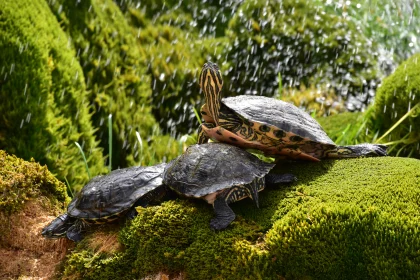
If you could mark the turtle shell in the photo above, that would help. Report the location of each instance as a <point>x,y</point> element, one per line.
<point>208,168</point>
<point>111,194</point>
<point>277,113</point>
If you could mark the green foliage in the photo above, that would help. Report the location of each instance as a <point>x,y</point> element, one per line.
<point>399,94</point>
<point>334,223</point>
<point>22,180</point>
<point>393,24</point>
<point>345,128</point>
<point>44,100</point>
<point>115,72</point>
<point>318,101</point>
<point>301,41</point>
<point>208,18</point>
<point>175,58</point>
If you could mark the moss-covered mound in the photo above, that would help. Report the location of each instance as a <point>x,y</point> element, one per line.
<point>21,181</point>
<point>30,197</point>
<point>44,104</point>
<point>399,93</point>
<point>298,39</point>
<point>343,219</point>
<point>115,72</point>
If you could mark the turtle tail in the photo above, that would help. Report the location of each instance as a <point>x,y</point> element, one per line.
<point>361,150</point>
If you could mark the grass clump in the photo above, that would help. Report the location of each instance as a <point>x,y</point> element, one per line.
<point>335,222</point>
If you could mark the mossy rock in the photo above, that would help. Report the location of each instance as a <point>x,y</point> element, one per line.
<point>22,180</point>
<point>336,222</point>
<point>298,39</point>
<point>116,73</point>
<point>43,96</point>
<point>398,94</point>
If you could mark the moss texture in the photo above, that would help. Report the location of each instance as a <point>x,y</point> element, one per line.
<point>22,180</point>
<point>115,72</point>
<point>44,101</point>
<point>336,222</point>
<point>399,93</point>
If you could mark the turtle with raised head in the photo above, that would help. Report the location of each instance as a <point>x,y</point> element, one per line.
<point>107,198</point>
<point>277,128</point>
<point>220,174</point>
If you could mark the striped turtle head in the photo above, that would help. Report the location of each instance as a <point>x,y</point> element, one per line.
<point>211,83</point>
<point>58,227</point>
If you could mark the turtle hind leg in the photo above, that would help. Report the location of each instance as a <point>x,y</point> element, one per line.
<point>224,215</point>
<point>274,179</point>
<point>361,150</point>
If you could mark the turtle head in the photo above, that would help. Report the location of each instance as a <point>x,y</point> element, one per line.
<point>58,227</point>
<point>211,83</point>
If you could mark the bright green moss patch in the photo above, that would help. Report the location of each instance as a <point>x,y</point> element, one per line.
<point>22,180</point>
<point>44,106</point>
<point>343,219</point>
<point>115,73</point>
<point>399,93</point>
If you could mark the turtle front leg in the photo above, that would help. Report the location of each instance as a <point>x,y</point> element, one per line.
<point>74,233</point>
<point>224,214</point>
<point>202,135</point>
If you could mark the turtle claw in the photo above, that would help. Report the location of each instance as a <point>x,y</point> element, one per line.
<point>220,223</point>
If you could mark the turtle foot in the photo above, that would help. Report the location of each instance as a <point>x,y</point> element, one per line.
<point>274,179</point>
<point>220,223</point>
<point>224,214</point>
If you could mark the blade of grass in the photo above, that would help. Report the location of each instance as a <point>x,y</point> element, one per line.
<point>110,141</point>
<point>69,187</point>
<point>196,114</point>
<point>84,158</point>
<point>398,123</point>
<point>141,146</point>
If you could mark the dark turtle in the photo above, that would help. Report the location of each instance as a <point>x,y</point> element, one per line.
<point>273,126</point>
<point>220,174</point>
<point>106,198</point>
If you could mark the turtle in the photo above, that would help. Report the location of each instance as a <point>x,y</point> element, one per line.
<point>277,128</point>
<point>220,174</point>
<point>106,198</point>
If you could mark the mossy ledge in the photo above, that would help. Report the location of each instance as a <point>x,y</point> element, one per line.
<point>343,219</point>
<point>22,180</point>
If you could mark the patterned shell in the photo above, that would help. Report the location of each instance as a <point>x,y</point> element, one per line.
<point>208,168</point>
<point>280,114</point>
<point>115,192</point>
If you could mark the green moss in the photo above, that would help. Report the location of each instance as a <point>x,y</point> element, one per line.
<point>22,180</point>
<point>399,93</point>
<point>301,41</point>
<point>115,72</point>
<point>44,101</point>
<point>336,222</point>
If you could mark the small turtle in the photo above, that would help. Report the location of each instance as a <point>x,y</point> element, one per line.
<point>220,174</point>
<point>273,126</point>
<point>107,198</point>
